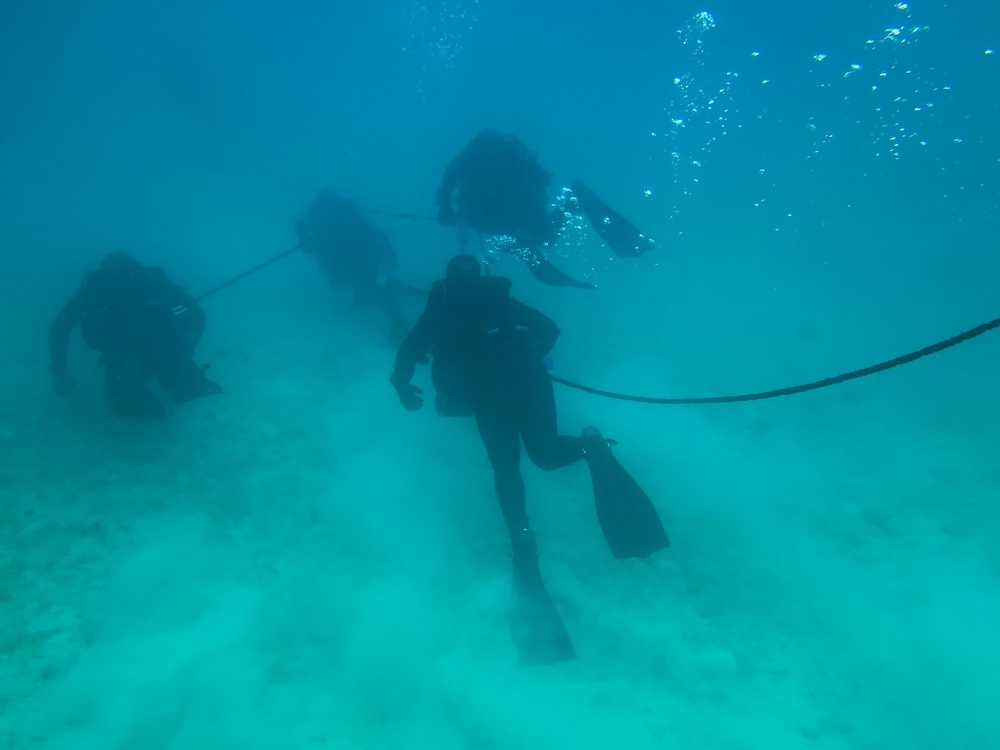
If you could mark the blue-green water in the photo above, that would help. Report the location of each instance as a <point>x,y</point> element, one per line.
<point>299,563</point>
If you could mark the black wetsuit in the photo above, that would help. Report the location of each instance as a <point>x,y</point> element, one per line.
<point>488,351</point>
<point>144,326</point>
<point>353,253</point>
<point>501,190</point>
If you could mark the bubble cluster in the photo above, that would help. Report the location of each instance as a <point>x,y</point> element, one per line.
<point>436,34</point>
<point>569,241</point>
<point>885,88</point>
<point>692,35</point>
<point>701,104</point>
<point>571,224</point>
<point>495,244</point>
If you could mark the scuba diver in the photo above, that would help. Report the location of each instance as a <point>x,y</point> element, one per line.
<point>353,252</point>
<point>143,325</point>
<point>488,361</point>
<point>501,190</point>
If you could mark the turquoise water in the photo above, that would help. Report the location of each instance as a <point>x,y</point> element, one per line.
<point>300,563</point>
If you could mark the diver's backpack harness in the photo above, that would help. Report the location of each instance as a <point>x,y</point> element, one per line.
<point>484,332</point>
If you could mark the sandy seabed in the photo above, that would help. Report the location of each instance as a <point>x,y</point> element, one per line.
<point>299,563</point>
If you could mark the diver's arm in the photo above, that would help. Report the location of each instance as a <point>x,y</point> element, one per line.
<point>66,320</point>
<point>414,348</point>
<point>417,343</point>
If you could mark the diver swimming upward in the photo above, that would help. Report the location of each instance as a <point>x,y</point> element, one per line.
<point>501,190</point>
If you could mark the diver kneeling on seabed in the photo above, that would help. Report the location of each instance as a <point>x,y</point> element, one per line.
<point>144,326</point>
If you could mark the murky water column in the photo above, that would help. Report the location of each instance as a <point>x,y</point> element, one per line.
<point>886,89</point>
<point>436,34</point>
<point>701,109</point>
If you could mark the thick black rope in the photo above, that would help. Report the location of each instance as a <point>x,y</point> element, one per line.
<point>411,217</point>
<point>789,391</point>
<point>824,383</point>
<point>279,256</point>
<point>255,269</point>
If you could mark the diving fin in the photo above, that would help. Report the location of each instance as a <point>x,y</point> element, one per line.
<point>547,273</point>
<point>629,520</point>
<point>621,235</point>
<point>185,381</point>
<point>535,625</point>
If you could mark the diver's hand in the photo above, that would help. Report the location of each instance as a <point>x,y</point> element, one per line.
<point>409,396</point>
<point>63,382</point>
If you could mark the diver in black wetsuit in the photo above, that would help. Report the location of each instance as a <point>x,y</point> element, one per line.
<point>143,325</point>
<point>488,361</point>
<point>501,190</point>
<point>352,252</point>
<point>488,354</point>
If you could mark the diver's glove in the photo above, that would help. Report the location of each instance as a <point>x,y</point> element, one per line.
<point>409,397</point>
<point>63,382</point>
<point>409,394</point>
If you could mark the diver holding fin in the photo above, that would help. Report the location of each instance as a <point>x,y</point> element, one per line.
<point>487,355</point>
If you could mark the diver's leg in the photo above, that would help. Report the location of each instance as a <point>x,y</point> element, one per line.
<point>387,300</point>
<point>173,363</point>
<point>504,450</point>
<point>391,293</point>
<point>368,291</point>
<point>546,448</point>
<point>535,625</point>
<point>127,390</point>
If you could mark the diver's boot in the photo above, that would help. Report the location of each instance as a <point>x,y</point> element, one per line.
<point>538,632</point>
<point>524,556</point>
<point>593,439</point>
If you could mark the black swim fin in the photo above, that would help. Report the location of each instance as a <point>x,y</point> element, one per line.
<point>185,381</point>
<point>630,522</point>
<point>547,273</point>
<point>621,235</point>
<point>535,625</point>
